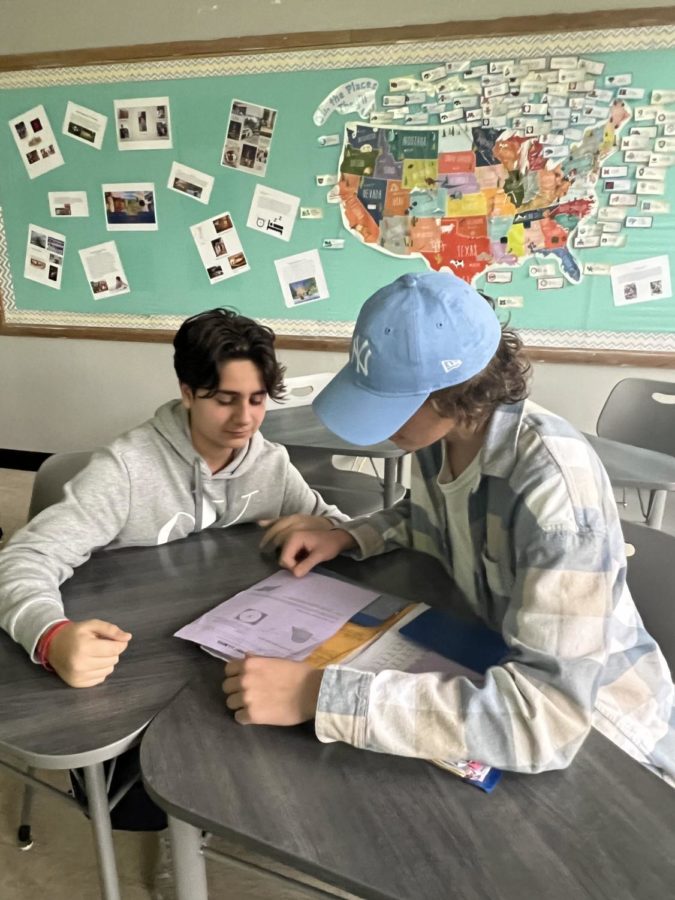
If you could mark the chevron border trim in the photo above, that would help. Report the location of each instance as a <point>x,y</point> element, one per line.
<point>648,38</point>
<point>6,283</point>
<point>557,340</point>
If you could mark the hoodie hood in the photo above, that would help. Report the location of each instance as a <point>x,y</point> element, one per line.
<point>172,422</point>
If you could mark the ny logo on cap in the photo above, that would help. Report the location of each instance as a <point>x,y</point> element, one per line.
<point>450,364</point>
<point>361,354</point>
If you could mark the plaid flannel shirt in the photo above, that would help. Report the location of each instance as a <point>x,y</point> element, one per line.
<point>550,571</point>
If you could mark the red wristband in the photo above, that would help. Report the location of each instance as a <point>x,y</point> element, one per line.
<point>43,644</point>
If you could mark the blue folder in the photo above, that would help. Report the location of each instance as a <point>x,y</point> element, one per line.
<point>471,644</point>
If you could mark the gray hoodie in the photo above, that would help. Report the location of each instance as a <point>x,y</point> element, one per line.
<point>149,486</point>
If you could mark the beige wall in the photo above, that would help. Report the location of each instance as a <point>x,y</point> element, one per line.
<point>60,394</point>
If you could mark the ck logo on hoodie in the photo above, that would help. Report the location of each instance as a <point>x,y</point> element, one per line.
<point>361,354</point>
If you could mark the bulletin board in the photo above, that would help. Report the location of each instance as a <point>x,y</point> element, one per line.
<point>535,161</point>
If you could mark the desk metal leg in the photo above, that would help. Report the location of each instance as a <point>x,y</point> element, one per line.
<point>657,507</point>
<point>389,481</point>
<point>189,865</point>
<point>94,778</point>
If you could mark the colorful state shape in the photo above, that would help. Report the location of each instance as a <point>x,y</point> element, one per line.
<point>459,183</point>
<point>359,136</point>
<point>397,200</point>
<point>507,151</point>
<point>419,173</point>
<point>425,235</point>
<point>395,235</point>
<point>488,177</point>
<point>414,145</point>
<point>484,140</point>
<point>358,161</point>
<point>360,220</point>
<point>430,202</point>
<point>465,247</point>
<point>348,185</point>
<point>466,205</point>
<point>456,163</point>
<point>372,194</point>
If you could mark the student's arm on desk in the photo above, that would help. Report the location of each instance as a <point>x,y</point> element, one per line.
<point>532,712</point>
<point>366,536</point>
<point>44,554</point>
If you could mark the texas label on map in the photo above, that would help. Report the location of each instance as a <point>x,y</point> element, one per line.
<point>468,197</point>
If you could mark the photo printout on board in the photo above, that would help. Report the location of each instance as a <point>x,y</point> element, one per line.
<point>35,142</point>
<point>219,247</point>
<point>103,268</point>
<point>301,278</point>
<point>45,251</point>
<point>249,137</point>
<point>68,203</point>
<point>641,280</point>
<point>190,182</point>
<point>130,206</point>
<point>84,125</point>
<point>143,124</point>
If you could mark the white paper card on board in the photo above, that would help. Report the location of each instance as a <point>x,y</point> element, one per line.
<point>190,182</point>
<point>641,280</point>
<point>219,248</point>
<point>65,204</point>
<point>35,142</point>
<point>84,125</point>
<point>273,212</point>
<point>103,268</point>
<point>301,278</point>
<point>45,251</point>
<point>143,123</point>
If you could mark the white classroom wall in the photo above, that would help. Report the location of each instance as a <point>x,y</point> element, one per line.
<point>59,394</point>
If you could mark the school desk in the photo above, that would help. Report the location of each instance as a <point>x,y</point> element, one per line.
<point>299,426</point>
<point>389,828</point>
<point>151,592</point>
<point>638,468</point>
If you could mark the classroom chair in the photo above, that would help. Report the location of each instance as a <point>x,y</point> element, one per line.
<point>52,476</point>
<point>636,440</point>
<point>651,579</point>
<point>355,493</point>
<point>50,480</point>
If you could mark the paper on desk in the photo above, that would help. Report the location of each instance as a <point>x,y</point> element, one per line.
<point>281,616</point>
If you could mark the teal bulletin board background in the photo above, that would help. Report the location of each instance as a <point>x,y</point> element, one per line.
<point>163,268</point>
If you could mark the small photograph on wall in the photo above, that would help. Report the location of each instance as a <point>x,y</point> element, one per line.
<point>143,124</point>
<point>35,141</point>
<point>130,207</point>
<point>219,248</point>
<point>249,137</point>
<point>84,125</point>
<point>104,272</point>
<point>45,252</point>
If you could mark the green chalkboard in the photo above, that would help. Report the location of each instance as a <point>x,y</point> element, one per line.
<point>498,243</point>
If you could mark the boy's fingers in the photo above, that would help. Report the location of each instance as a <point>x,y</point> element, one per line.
<point>302,566</point>
<point>108,630</point>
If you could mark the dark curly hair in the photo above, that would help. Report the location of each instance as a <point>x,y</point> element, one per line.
<point>204,342</point>
<point>505,379</point>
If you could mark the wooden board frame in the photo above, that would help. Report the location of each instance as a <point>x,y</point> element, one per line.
<point>510,26</point>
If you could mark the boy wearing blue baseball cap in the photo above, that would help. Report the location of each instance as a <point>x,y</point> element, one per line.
<point>517,507</point>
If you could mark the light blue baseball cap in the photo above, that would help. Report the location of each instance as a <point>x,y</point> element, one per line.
<point>423,332</point>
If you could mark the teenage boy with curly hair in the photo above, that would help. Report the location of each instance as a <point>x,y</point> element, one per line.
<point>517,507</point>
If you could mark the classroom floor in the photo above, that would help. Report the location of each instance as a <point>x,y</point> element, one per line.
<point>63,854</point>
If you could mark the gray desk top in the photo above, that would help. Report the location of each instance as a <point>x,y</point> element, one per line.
<point>299,427</point>
<point>150,591</point>
<point>387,827</point>
<point>634,467</point>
